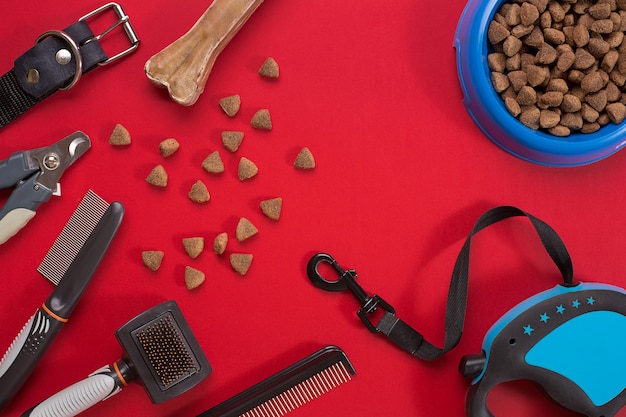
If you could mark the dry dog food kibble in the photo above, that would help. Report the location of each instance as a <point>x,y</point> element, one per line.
<point>158,176</point>
<point>272,207</point>
<point>193,277</point>
<point>560,66</point>
<point>245,229</point>
<point>232,140</point>
<point>220,242</point>
<point>152,259</point>
<point>231,104</point>
<point>168,147</point>
<point>262,120</point>
<point>269,68</point>
<point>304,159</point>
<point>193,246</point>
<point>247,169</point>
<point>199,193</point>
<point>119,136</point>
<point>213,163</point>
<point>241,262</point>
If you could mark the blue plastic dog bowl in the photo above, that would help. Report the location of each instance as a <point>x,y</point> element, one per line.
<point>487,108</point>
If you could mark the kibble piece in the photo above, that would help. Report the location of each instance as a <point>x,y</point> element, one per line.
<point>119,136</point>
<point>616,112</point>
<point>511,46</point>
<point>550,99</point>
<point>570,103</point>
<point>514,63</point>
<point>592,82</point>
<point>241,262</point>
<point>262,120</point>
<point>598,47</point>
<point>168,147</point>
<point>556,11</point>
<point>602,26</point>
<point>613,93</point>
<point>496,61</point>
<point>600,11</point>
<point>565,61</point>
<point>527,96</point>
<point>530,117</point>
<point>497,32</point>
<point>590,127</point>
<point>272,207</point>
<point>499,81</point>
<point>609,61</point>
<point>193,246</point>
<point>213,163</point>
<point>269,68</point>
<point>232,140</point>
<point>158,176</point>
<point>534,38</point>
<point>580,35</point>
<point>220,243</point>
<point>583,59</point>
<point>152,259</point>
<point>536,75</point>
<point>520,31</point>
<point>512,106</point>
<point>512,14</point>
<point>615,39</point>
<point>560,130</point>
<point>247,169</point>
<point>557,84</point>
<point>548,119</point>
<point>553,36</point>
<point>245,229</point>
<point>597,100</point>
<point>528,14</point>
<point>518,79</point>
<point>541,5</point>
<point>231,104</point>
<point>193,277</point>
<point>573,121</point>
<point>546,54</point>
<point>199,192</point>
<point>305,159</point>
<point>588,113</point>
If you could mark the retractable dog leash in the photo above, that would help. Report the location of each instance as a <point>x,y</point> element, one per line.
<point>568,339</point>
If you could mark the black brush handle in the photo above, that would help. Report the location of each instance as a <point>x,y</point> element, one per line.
<point>26,351</point>
<point>78,397</point>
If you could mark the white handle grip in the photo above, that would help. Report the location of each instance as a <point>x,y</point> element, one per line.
<point>13,222</point>
<point>77,398</point>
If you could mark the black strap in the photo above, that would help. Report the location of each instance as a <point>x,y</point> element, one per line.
<point>413,342</point>
<point>19,91</point>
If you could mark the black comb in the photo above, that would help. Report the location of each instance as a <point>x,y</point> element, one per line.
<point>160,351</point>
<point>291,388</point>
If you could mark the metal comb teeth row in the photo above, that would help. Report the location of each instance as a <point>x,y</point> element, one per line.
<point>304,392</point>
<point>73,236</point>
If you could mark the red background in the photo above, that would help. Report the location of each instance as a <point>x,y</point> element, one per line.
<point>402,174</point>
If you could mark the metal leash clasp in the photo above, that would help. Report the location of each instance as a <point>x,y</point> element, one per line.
<point>347,281</point>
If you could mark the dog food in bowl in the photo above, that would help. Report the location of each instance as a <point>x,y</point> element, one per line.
<point>544,79</point>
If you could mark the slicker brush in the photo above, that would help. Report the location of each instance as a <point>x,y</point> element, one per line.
<point>160,352</point>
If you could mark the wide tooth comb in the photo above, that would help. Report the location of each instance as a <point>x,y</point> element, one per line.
<point>291,388</point>
<point>73,236</point>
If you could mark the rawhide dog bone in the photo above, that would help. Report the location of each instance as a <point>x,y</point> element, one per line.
<point>184,66</point>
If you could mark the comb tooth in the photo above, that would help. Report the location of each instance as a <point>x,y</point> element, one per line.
<point>72,237</point>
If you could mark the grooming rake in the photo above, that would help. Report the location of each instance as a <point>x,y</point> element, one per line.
<point>291,388</point>
<point>160,351</point>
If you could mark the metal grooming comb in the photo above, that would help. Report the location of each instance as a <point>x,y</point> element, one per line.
<point>291,388</point>
<point>70,264</point>
<point>72,238</point>
<point>160,351</point>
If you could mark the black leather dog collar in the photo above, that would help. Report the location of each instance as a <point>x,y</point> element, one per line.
<point>56,62</point>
